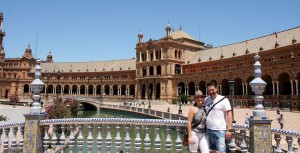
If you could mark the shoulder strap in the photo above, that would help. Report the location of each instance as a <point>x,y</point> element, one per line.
<point>214,105</point>
<point>197,123</point>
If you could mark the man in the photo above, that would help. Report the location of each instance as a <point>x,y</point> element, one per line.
<point>219,119</point>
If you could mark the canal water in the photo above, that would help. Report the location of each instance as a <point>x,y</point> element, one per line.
<point>120,114</point>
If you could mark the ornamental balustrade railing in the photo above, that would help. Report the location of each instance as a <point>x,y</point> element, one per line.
<point>113,135</point>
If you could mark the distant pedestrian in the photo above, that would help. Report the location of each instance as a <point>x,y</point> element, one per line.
<point>278,115</point>
<point>168,110</point>
<point>281,121</point>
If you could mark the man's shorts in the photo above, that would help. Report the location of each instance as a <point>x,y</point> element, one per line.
<point>216,140</point>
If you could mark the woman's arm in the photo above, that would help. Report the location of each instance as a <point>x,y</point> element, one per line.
<point>189,124</point>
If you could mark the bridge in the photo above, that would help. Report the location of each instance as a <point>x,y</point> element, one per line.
<point>87,103</point>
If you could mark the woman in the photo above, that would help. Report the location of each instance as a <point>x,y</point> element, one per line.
<point>196,125</point>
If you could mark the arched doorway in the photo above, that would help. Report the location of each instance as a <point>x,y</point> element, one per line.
<point>269,86</point>
<point>158,70</point>
<point>74,89</point>
<point>151,70</point>
<point>157,96</point>
<point>225,87</point>
<point>26,88</point>
<point>123,89</point>
<point>150,91</point>
<point>131,90</point>
<point>82,89</point>
<point>106,90</point>
<point>115,89</point>
<point>284,84</point>
<point>66,89</point>
<point>192,88</point>
<point>202,87</point>
<point>238,86</point>
<point>143,93</point>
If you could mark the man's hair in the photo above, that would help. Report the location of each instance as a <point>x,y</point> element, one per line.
<point>212,84</point>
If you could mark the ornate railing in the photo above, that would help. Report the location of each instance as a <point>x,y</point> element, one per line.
<point>11,137</point>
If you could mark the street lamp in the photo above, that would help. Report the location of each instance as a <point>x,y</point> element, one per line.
<point>149,96</point>
<point>231,89</point>
<point>47,90</point>
<point>58,90</point>
<point>179,92</point>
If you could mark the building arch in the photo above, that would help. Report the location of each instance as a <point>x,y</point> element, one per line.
<point>82,89</point>
<point>115,89</point>
<point>143,93</point>
<point>26,88</point>
<point>50,89</point>
<point>225,87</point>
<point>157,96</point>
<point>151,71</point>
<point>66,89</point>
<point>106,90</point>
<point>177,69</point>
<point>131,89</point>
<point>238,86</point>
<point>123,89</point>
<point>90,90</point>
<point>150,88</point>
<point>192,88</point>
<point>158,70</point>
<point>144,71</point>
<point>98,89</point>
<point>249,89</point>
<point>74,89</point>
<point>269,87</point>
<point>202,87</point>
<point>284,81</point>
<point>175,54</point>
<point>182,85</point>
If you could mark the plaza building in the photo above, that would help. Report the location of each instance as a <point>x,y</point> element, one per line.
<point>163,66</point>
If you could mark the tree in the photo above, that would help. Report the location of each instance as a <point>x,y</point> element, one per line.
<point>62,108</point>
<point>13,98</point>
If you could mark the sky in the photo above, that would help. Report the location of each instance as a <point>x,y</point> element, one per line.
<point>101,30</point>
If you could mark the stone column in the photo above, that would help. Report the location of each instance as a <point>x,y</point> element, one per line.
<point>260,125</point>
<point>243,89</point>
<point>154,56</point>
<point>161,53</point>
<point>220,89</point>
<point>147,56</point>
<point>273,87</point>
<point>140,56</point>
<point>297,88</point>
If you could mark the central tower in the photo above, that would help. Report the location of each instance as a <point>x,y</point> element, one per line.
<point>159,61</point>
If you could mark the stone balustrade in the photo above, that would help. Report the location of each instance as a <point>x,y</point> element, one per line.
<point>113,134</point>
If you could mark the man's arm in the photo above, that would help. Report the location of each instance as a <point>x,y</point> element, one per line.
<point>229,119</point>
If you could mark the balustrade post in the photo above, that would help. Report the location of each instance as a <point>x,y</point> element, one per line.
<point>168,140</point>
<point>46,139</point>
<point>80,138</point>
<point>147,139</point>
<point>118,138</point>
<point>99,137</point>
<point>137,139</point>
<point>157,140</point>
<point>277,138</point>
<point>232,145</point>
<point>108,138</point>
<point>178,140</point>
<point>5,144</point>
<point>127,138</point>
<point>14,139</point>
<point>53,138</point>
<point>289,141</point>
<point>21,141</point>
<point>90,138</point>
<point>243,145</point>
<point>71,138</point>
<point>62,137</point>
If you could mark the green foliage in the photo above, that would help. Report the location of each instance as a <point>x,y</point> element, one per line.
<point>184,98</point>
<point>174,101</point>
<point>62,108</point>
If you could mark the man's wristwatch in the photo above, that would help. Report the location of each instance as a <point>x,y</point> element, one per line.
<point>229,130</point>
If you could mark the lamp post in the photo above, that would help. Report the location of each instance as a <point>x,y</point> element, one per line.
<point>88,88</point>
<point>179,92</point>
<point>101,88</point>
<point>47,90</point>
<point>58,90</point>
<point>149,96</point>
<point>231,90</point>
